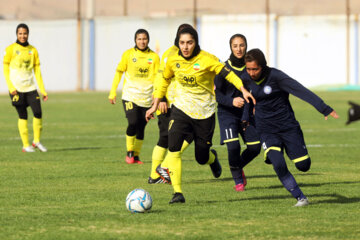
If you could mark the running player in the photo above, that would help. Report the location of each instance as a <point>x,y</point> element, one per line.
<point>140,65</point>
<point>194,106</point>
<point>275,119</point>
<point>230,112</point>
<point>21,61</point>
<point>163,114</point>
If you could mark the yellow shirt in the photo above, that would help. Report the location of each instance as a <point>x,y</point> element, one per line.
<point>19,63</point>
<point>170,93</point>
<point>194,78</point>
<point>140,69</point>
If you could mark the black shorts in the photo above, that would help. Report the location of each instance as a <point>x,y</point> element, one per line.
<point>292,141</point>
<point>133,111</point>
<point>25,99</point>
<point>230,128</point>
<point>181,126</point>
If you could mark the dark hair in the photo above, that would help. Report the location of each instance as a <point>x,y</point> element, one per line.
<point>22,25</point>
<point>139,31</point>
<point>181,27</point>
<point>193,33</point>
<point>256,55</point>
<point>240,36</point>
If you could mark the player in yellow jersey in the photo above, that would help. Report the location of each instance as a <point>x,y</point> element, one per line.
<point>140,65</point>
<point>21,61</point>
<point>193,108</point>
<point>163,114</point>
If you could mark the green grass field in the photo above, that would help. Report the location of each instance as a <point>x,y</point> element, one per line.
<point>77,189</point>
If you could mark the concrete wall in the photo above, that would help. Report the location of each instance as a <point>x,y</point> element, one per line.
<point>311,49</point>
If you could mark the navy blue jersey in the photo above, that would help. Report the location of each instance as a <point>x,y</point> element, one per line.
<point>273,111</point>
<point>225,92</point>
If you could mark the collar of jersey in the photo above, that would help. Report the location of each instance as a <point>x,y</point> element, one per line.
<point>236,68</point>
<point>259,82</point>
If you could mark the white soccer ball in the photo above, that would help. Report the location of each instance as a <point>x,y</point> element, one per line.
<point>138,201</point>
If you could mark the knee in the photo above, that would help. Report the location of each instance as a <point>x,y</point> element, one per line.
<point>254,149</point>
<point>38,114</point>
<point>278,161</point>
<point>233,153</point>
<point>303,165</point>
<point>202,152</point>
<point>163,142</point>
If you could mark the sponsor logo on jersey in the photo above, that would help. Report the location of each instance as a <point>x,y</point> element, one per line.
<point>143,70</point>
<point>134,59</point>
<point>189,81</point>
<point>30,52</point>
<point>149,61</point>
<point>178,65</point>
<point>267,89</point>
<point>17,52</point>
<point>196,67</point>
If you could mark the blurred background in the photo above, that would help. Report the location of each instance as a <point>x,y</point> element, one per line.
<point>80,42</point>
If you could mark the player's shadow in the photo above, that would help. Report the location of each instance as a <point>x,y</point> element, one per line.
<point>331,199</point>
<point>227,179</point>
<point>307,185</point>
<point>76,149</point>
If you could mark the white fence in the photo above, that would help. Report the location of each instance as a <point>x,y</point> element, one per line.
<point>311,49</point>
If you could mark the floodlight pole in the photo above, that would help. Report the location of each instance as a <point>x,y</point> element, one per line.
<point>79,59</point>
<point>347,42</point>
<point>195,14</point>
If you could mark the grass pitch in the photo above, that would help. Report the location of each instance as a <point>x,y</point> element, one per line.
<point>77,189</point>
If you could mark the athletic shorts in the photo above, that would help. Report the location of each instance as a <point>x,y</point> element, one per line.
<point>133,111</point>
<point>230,128</point>
<point>292,141</point>
<point>25,99</point>
<point>181,125</point>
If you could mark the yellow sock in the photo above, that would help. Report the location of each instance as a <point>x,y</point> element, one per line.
<point>24,132</point>
<point>130,142</point>
<point>137,146</point>
<point>184,146</point>
<point>211,158</point>
<point>158,156</point>
<point>173,162</point>
<point>37,127</point>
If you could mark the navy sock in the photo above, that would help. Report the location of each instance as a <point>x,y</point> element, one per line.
<point>290,184</point>
<point>237,175</point>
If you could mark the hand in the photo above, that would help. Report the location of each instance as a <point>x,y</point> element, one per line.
<point>163,107</point>
<point>150,113</point>
<point>333,114</point>
<point>247,95</point>
<point>45,98</point>
<point>14,93</point>
<point>244,125</point>
<point>238,102</point>
<point>112,101</point>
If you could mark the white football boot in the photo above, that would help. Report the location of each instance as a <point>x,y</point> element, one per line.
<point>39,146</point>
<point>28,149</point>
<point>302,202</point>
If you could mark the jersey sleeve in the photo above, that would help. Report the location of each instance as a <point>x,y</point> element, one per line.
<point>6,66</point>
<point>220,68</point>
<point>121,68</point>
<point>37,73</point>
<point>293,87</point>
<point>164,81</point>
<point>222,98</point>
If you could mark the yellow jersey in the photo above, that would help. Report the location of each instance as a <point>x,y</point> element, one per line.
<point>140,68</point>
<point>170,93</point>
<point>20,64</point>
<point>194,78</point>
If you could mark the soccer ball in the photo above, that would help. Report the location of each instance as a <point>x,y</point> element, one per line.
<point>138,201</point>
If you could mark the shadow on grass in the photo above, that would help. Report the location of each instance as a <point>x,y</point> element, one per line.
<point>77,149</point>
<point>332,198</point>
